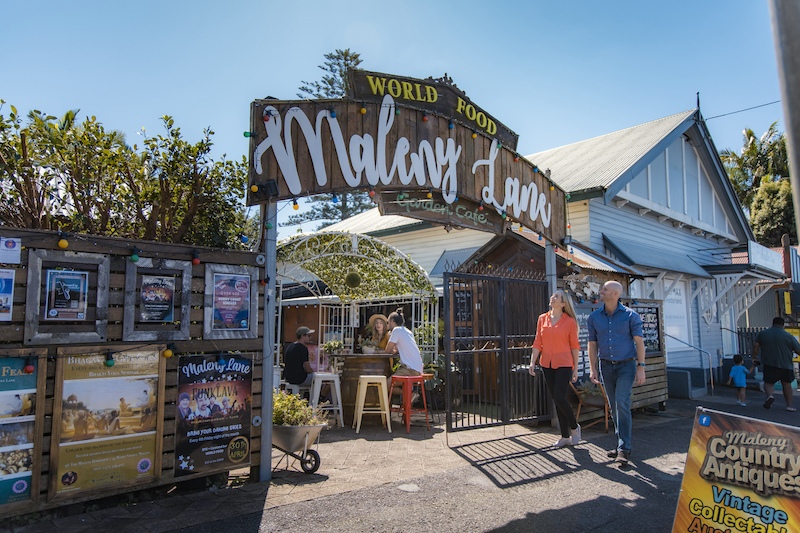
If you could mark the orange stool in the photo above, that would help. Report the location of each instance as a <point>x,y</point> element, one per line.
<point>408,382</point>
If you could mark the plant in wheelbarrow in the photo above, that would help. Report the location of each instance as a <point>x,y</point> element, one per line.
<point>295,427</point>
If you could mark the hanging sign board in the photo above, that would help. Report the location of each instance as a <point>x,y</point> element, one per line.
<point>303,148</point>
<point>432,95</point>
<point>417,204</point>
<point>741,474</point>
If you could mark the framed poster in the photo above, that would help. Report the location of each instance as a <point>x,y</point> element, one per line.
<point>6,294</point>
<point>157,299</point>
<point>21,419</point>
<point>231,302</point>
<point>45,294</point>
<point>110,420</point>
<point>66,295</point>
<point>212,419</point>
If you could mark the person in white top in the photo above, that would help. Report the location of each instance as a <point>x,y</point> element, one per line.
<point>401,341</point>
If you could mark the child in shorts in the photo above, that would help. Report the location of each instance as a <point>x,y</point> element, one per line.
<point>739,378</point>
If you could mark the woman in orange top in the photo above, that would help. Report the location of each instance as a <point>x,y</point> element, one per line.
<point>557,343</point>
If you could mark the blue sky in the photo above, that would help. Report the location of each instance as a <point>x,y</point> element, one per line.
<point>555,72</point>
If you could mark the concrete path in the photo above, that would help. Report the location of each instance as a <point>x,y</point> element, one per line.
<point>498,479</point>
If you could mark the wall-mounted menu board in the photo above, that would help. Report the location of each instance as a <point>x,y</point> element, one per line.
<point>650,311</point>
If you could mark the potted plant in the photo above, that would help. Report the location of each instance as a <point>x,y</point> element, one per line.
<point>368,346</point>
<point>333,347</point>
<point>436,386</point>
<point>295,425</point>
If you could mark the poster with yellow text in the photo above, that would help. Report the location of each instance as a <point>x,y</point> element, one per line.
<point>741,474</point>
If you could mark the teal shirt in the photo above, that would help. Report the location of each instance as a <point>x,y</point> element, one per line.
<point>776,347</point>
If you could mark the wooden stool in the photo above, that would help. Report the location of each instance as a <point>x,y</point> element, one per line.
<point>336,393</point>
<point>408,382</point>
<point>361,394</point>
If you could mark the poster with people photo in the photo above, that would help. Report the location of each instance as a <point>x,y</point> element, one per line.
<point>157,299</point>
<point>6,294</point>
<point>106,427</point>
<point>67,292</point>
<point>17,428</point>
<point>231,302</point>
<point>213,413</point>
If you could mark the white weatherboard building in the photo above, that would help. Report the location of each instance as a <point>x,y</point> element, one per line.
<point>656,197</point>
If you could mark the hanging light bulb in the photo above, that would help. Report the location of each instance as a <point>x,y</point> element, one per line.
<point>169,351</point>
<point>109,362</point>
<point>195,258</point>
<point>371,192</point>
<point>335,198</point>
<point>63,243</point>
<point>29,368</point>
<point>135,254</point>
<point>363,109</point>
<point>294,204</point>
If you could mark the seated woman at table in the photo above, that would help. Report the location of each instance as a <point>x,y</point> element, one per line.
<point>402,342</point>
<point>378,325</point>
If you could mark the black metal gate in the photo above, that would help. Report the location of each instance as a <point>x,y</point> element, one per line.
<point>490,324</point>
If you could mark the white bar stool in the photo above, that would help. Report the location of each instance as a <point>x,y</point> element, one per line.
<point>361,394</point>
<point>336,392</point>
<point>295,389</point>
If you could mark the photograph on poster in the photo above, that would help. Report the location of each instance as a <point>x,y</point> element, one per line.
<point>109,407</point>
<point>213,412</point>
<point>67,292</point>
<point>6,294</point>
<point>17,429</point>
<point>231,302</point>
<point>157,299</point>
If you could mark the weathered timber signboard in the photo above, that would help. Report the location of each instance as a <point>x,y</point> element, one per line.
<point>303,148</point>
<point>432,207</point>
<point>430,95</point>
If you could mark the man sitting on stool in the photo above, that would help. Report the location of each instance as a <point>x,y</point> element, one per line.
<point>296,365</point>
<point>401,341</point>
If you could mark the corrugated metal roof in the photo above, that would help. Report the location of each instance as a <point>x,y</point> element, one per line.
<point>596,163</point>
<point>370,222</point>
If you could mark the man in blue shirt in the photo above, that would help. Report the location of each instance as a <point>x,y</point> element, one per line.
<point>615,338</point>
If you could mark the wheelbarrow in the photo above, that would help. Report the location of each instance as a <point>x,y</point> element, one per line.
<point>295,441</point>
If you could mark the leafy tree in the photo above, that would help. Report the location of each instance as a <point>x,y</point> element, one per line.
<point>58,174</point>
<point>329,208</point>
<point>334,84</point>
<point>760,158</point>
<point>772,213</point>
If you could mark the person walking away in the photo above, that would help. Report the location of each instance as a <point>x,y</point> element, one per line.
<point>557,343</point>
<point>617,346</point>
<point>774,348</point>
<point>738,377</point>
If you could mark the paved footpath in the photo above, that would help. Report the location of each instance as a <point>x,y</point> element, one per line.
<point>498,479</point>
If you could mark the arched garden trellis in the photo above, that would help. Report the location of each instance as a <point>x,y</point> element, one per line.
<point>347,272</point>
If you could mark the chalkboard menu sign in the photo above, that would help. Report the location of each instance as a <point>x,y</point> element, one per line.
<point>651,326</point>
<point>649,310</point>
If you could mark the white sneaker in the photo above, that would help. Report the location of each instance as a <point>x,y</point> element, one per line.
<point>576,435</point>
<point>563,441</point>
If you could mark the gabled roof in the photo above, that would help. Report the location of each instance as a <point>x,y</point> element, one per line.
<point>371,222</point>
<point>595,164</point>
